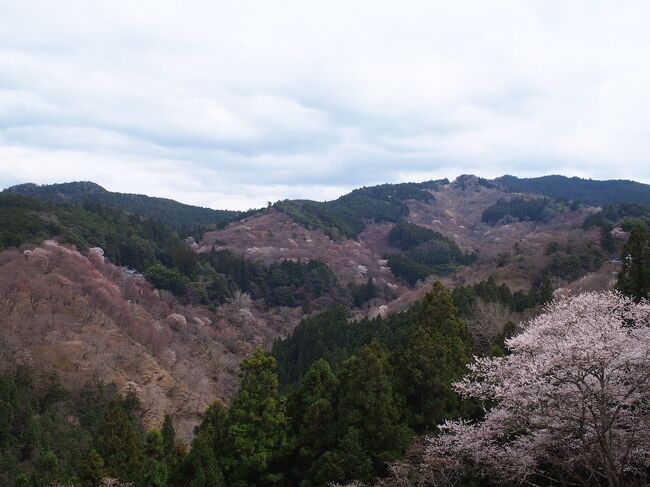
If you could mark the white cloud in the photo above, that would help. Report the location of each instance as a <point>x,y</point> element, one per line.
<point>244,102</point>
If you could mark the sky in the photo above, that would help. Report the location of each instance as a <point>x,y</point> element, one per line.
<point>233,104</point>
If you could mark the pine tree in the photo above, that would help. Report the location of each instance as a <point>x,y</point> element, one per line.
<point>91,469</point>
<point>257,436</point>
<point>634,278</point>
<point>155,469</point>
<point>314,418</point>
<point>168,434</point>
<point>200,467</point>
<point>118,444</point>
<point>434,357</point>
<point>367,404</point>
<point>8,405</point>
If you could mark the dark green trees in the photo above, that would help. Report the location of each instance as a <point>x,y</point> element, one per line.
<point>119,445</point>
<point>256,432</point>
<point>435,355</point>
<point>368,406</point>
<point>313,412</point>
<point>634,278</point>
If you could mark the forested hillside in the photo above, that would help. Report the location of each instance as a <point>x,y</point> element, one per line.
<point>309,343</point>
<point>589,191</point>
<point>186,219</point>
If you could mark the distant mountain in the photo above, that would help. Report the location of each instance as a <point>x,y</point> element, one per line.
<point>589,191</point>
<point>181,217</point>
<point>347,216</point>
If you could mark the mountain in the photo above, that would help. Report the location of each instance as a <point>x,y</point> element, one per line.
<point>185,219</point>
<point>589,191</point>
<point>356,299</point>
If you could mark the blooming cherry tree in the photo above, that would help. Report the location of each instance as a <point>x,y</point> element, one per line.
<point>570,404</point>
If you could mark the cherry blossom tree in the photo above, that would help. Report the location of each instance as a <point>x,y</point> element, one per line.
<point>570,404</point>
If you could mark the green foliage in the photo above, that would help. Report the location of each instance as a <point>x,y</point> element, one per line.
<point>91,469</point>
<point>426,252</point>
<point>256,432</point>
<point>574,266</point>
<point>435,355</point>
<point>347,215</point>
<point>118,444</point>
<point>286,283</point>
<point>168,435</point>
<point>516,209</point>
<point>466,297</point>
<point>634,277</point>
<point>313,416</point>
<point>54,436</point>
<point>186,219</point>
<point>592,192</point>
<point>367,404</point>
<point>165,278</point>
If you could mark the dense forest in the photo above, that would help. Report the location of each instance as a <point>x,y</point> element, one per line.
<point>185,219</point>
<point>167,262</point>
<point>342,417</point>
<point>405,399</point>
<point>347,215</point>
<point>588,191</point>
<point>425,252</point>
<point>517,209</point>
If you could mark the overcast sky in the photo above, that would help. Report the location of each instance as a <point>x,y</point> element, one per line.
<point>231,104</point>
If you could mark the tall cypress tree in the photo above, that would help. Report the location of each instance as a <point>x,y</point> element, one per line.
<point>435,355</point>
<point>313,409</point>
<point>634,278</point>
<point>257,436</point>
<point>368,405</point>
<point>119,445</point>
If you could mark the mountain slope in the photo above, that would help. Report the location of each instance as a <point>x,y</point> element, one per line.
<point>89,320</point>
<point>590,191</point>
<point>178,216</point>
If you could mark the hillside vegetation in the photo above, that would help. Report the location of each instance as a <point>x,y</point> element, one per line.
<point>347,215</point>
<point>148,358</point>
<point>588,191</point>
<point>185,219</point>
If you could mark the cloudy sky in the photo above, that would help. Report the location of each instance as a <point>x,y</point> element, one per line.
<point>232,104</point>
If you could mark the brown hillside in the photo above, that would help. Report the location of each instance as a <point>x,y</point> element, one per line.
<point>88,320</point>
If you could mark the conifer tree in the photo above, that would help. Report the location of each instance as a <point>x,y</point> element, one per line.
<point>256,432</point>
<point>634,278</point>
<point>168,434</point>
<point>91,469</point>
<point>200,467</point>
<point>313,407</point>
<point>368,405</point>
<point>434,357</point>
<point>155,469</point>
<point>118,444</point>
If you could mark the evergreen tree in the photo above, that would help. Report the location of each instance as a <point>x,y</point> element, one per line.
<point>256,432</point>
<point>314,418</point>
<point>634,278</point>
<point>168,434</point>
<point>155,469</point>
<point>435,356</point>
<point>91,469</point>
<point>367,404</point>
<point>200,467</point>
<point>8,405</point>
<point>119,445</point>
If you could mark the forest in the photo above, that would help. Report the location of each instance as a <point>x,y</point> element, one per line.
<point>341,402</point>
<point>449,391</point>
<point>168,263</point>
<point>517,209</point>
<point>347,215</point>
<point>425,252</point>
<point>185,219</point>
